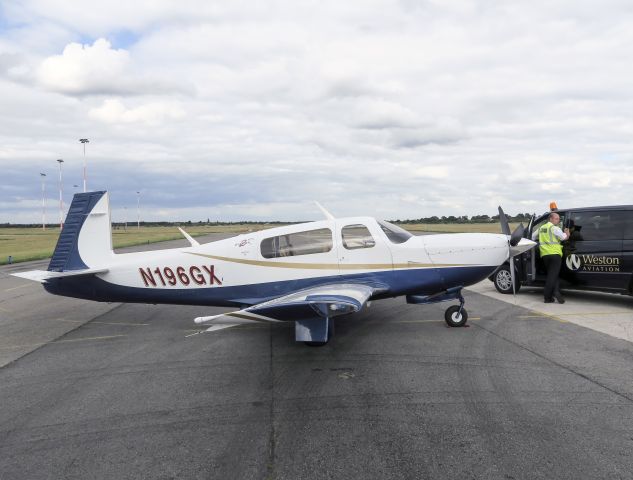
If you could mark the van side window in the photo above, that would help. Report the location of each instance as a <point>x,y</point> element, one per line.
<point>299,243</point>
<point>628,224</point>
<point>357,236</point>
<point>596,225</point>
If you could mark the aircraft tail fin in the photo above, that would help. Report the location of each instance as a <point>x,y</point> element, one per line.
<point>86,238</point>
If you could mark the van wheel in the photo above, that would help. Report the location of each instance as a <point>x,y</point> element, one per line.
<point>503,280</point>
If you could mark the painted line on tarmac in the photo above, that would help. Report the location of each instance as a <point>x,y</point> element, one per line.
<point>103,323</point>
<point>544,315</point>
<point>63,341</point>
<point>428,321</point>
<point>19,286</point>
<point>587,314</point>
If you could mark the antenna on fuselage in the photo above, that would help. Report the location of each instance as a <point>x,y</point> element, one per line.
<point>194,243</point>
<point>327,214</point>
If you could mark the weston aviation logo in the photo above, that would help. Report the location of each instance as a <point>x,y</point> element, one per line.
<point>573,262</point>
<point>592,263</point>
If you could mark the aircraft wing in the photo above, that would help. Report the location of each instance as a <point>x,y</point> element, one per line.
<point>310,309</point>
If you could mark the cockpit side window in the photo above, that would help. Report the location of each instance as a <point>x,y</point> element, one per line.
<point>357,236</point>
<point>394,233</point>
<point>299,243</point>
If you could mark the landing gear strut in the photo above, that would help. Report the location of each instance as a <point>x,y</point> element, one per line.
<point>456,315</point>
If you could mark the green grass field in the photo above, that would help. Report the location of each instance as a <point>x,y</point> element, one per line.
<point>25,244</point>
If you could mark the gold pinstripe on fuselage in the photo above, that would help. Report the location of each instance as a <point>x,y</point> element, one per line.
<point>330,266</point>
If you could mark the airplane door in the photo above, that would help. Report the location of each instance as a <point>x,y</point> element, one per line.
<point>361,248</point>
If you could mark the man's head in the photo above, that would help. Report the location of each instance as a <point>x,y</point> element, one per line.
<point>554,218</point>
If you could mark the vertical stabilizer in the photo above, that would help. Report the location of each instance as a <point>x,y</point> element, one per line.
<point>86,239</point>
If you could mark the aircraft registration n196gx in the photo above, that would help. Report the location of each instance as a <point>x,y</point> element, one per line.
<point>308,273</point>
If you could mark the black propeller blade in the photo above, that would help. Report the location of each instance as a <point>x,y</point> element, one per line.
<point>505,227</point>
<point>517,235</point>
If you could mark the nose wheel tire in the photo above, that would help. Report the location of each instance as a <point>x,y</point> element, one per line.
<point>455,318</point>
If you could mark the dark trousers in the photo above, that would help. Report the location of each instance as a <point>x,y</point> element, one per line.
<point>552,264</point>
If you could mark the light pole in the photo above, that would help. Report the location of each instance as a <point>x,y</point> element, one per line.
<point>43,178</point>
<point>61,201</point>
<point>125,227</point>
<point>138,210</point>
<point>84,141</point>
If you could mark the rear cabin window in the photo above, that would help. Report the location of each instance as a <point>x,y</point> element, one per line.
<point>357,236</point>
<point>597,225</point>
<point>394,233</point>
<point>299,243</point>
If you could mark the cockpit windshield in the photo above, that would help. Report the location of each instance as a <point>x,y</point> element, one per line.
<point>394,233</point>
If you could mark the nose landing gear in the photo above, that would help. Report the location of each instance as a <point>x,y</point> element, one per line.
<point>455,315</point>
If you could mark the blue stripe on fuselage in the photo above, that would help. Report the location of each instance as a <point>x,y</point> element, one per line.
<point>395,283</point>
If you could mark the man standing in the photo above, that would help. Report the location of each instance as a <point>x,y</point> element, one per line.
<point>549,237</point>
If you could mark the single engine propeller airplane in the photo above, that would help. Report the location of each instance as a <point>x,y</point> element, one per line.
<point>308,273</point>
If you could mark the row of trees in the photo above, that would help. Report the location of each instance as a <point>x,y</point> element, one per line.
<point>521,217</point>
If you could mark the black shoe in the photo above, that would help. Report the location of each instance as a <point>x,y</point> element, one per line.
<point>548,300</point>
<point>560,298</point>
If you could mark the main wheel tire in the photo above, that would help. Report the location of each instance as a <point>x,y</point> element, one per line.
<point>503,280</point>
<point>315,344</point>
<point>454,318</point>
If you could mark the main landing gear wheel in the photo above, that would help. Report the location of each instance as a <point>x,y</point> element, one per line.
<point>456,316</point>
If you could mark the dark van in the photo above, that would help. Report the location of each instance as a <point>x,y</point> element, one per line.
<point>597,256</point>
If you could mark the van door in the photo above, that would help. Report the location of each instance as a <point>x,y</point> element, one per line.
<point>537,273</point>
<point>627,249</point>
<point>528,259</point>
<point>593,253</point>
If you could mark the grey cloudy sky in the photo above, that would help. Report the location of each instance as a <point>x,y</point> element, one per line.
<point>251,110</point>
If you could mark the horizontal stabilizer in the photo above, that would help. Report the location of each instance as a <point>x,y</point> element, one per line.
<point>43,275</point>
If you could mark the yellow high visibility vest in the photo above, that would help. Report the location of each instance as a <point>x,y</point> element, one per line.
<point>549,244</point>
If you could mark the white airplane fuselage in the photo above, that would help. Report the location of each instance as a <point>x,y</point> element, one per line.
<point>233,272</point>
<point>307,273</point>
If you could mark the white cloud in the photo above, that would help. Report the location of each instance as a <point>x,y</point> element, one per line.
<point>85,68</point>
<point>435,108</point>
<point>114,111</point>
